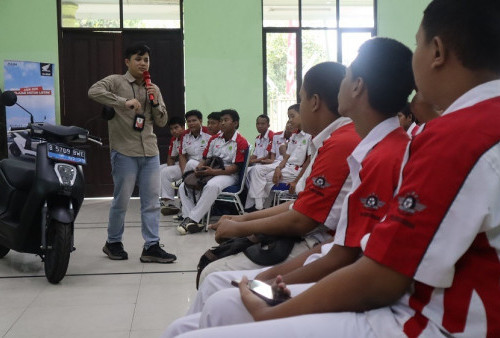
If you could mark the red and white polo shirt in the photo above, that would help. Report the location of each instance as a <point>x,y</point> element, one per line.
<point>231,151</point>
<point>193,146</point>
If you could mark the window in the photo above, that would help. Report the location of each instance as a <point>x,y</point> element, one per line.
<point>120,14</point>
<point>298,34</point>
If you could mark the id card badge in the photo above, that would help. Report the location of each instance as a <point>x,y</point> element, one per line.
<point>139,121</point>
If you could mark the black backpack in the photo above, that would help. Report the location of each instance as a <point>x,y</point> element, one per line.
<point>194,183</point>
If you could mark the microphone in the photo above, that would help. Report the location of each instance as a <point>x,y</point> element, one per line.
<point>147,80</point>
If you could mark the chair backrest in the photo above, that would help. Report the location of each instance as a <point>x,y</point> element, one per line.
<point>238,187</point>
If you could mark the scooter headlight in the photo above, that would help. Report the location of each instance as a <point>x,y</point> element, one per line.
<point>66,173</point>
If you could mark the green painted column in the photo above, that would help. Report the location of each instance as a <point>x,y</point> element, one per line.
<point>223,58</point>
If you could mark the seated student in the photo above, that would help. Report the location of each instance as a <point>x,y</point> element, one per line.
<point>213,123</point>
<point>171,168</point>
<point>326,186</point>
<point>293,162</point>
<point>422,110</point>
<point>193,143</point>
<point>407,120</point>
<point>263,141</point>
<point>431,267</point>
<point>231,147</point>
<point>374,164</point>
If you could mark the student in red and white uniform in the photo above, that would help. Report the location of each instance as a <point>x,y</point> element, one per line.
<point>213,123</point>
<point>192,144</point>
<point>263,141</point>
<point>231,147</point>
<point>171,168</point>
<point>374,168</point>
<point>297,153</point>
<point>270,163</point>
<point>431,267</point>
<point>326,187</point>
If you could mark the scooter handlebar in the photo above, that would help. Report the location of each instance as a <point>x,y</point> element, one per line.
<point>94,139</point>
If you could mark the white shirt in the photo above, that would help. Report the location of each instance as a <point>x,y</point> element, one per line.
<point>193,146</point>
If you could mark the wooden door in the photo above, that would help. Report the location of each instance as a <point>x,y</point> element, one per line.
<point>87,57</point>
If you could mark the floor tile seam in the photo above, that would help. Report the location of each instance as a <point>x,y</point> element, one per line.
<point>135,304</point>
<point>105,274</point>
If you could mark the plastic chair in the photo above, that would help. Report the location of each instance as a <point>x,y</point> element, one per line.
<point>281,193</point>
<point>232,193</point>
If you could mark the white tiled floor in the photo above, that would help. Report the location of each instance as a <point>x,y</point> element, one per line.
<point>99,297</point>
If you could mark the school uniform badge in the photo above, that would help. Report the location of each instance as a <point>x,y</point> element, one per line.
<point>372,202</point>
<point>409,203</point>
<point>320,182</point>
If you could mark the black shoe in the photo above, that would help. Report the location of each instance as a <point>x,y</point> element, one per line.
<point>178,218</point>
<point>169,210</point>
<point>115,251</point>
<point>194,227</point>
<point>155,254</point>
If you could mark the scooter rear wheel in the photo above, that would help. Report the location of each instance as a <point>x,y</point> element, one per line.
<point>3,251</point>
<point>57,258</point>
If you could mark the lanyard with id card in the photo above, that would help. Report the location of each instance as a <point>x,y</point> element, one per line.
<point>139,119</point>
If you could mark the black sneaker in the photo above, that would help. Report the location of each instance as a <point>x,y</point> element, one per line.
<point>155,254</point>
<point>178,218</point>
<point>194,227</point>
<point>115,251</point>
<point>181,228</point>
<point>169,210</point>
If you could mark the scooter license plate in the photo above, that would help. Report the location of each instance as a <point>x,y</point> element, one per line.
<point>66,154</point>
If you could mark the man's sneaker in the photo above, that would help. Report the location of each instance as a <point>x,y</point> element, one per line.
<point>194,227</point>
<point>169,210</point>
<point>115,251</point>
<point>155,254</point>
<point>178,218</point>
<point>181,228</point>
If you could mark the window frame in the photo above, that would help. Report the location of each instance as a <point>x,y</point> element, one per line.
<point>298,41</point>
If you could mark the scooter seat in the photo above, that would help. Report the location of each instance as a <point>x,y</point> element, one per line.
<point>20,174</point>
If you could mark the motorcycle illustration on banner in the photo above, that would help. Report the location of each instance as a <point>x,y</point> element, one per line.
<point>33,83</point>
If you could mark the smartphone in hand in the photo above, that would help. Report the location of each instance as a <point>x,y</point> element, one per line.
<point>264,291</point>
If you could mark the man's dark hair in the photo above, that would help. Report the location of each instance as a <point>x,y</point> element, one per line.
<point>138,48</point>
<point>233,113</point>
<point>176,120</point>
<point>470,28</point>
<point>406,111</point>
<point>194,112</point>
<point>214,116</point>
<point>296,107</point>
<point>385,66</point>
<point>324,80</point>
<point>263,116</point>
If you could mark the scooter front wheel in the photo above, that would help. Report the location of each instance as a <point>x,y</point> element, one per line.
<point>57,258</point>
<point>3,251</point>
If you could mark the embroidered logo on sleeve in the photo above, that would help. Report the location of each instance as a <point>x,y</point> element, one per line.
<point>372,202</point>
<point>410,204</point>
<point>320,182</point>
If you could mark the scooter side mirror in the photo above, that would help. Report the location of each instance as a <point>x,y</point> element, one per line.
<point>8,98</point>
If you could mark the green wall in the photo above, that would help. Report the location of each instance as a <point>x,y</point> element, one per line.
<point>28,32</point>
<point>400,19</point>
<point>223,58</point>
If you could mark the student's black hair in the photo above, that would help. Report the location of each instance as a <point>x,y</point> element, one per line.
<point>234,115</point>
<point>385,66</point>
<point>176,120</point>
<point>324,80</point>
<point>263,116</point>
<point>295,107</point>
<point>469,28</point>
<point>138,48</point>
<point>406,111</point>
<point>194,112</point>
<point>214,116</point>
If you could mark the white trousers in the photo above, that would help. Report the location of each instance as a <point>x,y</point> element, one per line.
<point>208,196</point>
<point>261,180</point>
<point>170,174</point>
<point>224,315</point>
<point>241,262</point>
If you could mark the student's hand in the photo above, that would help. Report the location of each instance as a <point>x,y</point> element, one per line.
<point>214,226</point>
<point>152,90</point>
<point>256,306</point>
<point>226,229</point>
<point>277,175</point>
<point>133,104</point>
<point>280,290</point>
<point>201,171</point>
<point>292,187</point>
